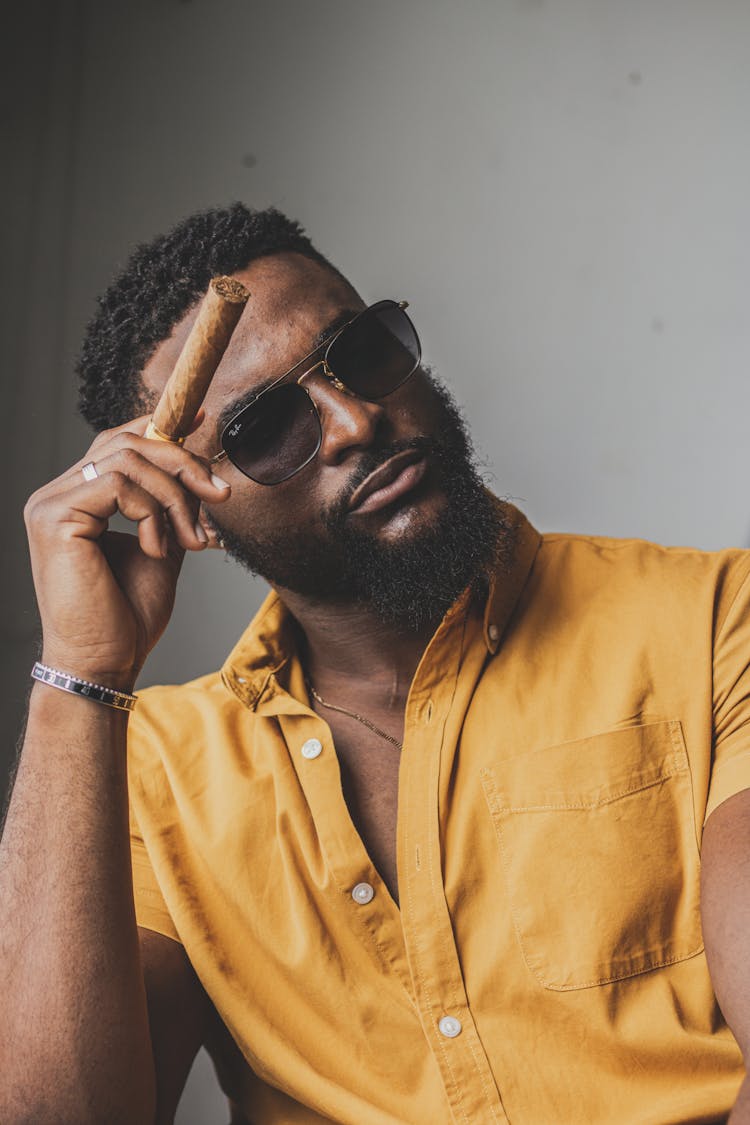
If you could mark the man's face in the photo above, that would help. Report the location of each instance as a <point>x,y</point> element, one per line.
<point>304,534</point>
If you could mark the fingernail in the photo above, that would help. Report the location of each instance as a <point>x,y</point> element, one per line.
<point>164,546</point>
<point>200,532</point>
<point>217,482</point>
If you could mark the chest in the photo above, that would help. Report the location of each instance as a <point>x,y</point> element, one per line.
<point>369,767</point>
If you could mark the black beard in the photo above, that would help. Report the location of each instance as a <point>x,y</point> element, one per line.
<point>411,581</point>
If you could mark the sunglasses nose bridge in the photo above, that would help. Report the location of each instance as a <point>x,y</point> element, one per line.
<point>336,382</point>
<point>346,419</point>
<point>329,375</point>
<point>310,371</point>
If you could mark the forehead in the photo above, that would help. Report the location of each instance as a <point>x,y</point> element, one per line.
<point>292,299</point>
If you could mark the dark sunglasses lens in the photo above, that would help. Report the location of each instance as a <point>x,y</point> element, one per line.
<point>276,437</point>
<point>377,353</point>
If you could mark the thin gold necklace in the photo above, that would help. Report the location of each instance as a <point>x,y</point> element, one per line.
<point>353,715</point>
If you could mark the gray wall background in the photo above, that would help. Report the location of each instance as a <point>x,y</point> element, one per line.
<point>559,187</point>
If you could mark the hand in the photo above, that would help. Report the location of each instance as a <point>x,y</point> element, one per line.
<point>105,597</point>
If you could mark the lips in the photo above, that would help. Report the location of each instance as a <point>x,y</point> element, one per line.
<point>388,482</point>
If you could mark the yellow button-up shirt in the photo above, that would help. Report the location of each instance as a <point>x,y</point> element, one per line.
<point>564,743</point>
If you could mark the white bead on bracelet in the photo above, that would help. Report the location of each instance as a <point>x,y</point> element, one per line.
<point>122,700</point>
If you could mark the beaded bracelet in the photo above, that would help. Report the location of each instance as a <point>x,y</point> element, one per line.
<point>76,686</point>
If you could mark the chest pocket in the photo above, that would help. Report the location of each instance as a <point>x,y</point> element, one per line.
<point>599,850</point>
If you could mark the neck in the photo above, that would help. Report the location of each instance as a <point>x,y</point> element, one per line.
<point>350,653</point>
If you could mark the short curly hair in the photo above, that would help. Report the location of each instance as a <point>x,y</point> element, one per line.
<point>160,282</point>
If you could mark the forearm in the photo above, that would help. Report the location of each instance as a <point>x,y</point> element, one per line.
<point>725,915</point>
<point>76,1043</point>
<point>76,1046</point>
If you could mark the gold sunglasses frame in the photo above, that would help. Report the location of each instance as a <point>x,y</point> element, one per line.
<point>334,381</point>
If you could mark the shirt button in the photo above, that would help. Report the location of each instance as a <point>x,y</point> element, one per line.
<point>363,893</point>
<point>311,748</point>
<point>450,1027</point>
<point>493,632</point>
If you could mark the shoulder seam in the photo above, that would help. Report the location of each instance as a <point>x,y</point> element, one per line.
<point>720,624</point>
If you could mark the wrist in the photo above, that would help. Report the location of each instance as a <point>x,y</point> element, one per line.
<point>60,711</point>
<point>85,667</point>
<point>85,689</point>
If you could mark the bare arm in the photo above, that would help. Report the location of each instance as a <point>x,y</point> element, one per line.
<point>179,1012</point>
<point>76,1045</point>
<point>725,908</point>
<point>75,1041</point>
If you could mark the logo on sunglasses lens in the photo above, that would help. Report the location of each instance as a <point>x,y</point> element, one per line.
<point>235,429</point>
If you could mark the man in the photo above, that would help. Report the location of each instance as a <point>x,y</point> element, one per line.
<point>427,848</point>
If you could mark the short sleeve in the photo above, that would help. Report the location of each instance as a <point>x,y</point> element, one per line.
<point>731,700</point>
<point>150,908</point>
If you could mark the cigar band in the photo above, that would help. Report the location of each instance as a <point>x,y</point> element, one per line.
<point>156,434</point>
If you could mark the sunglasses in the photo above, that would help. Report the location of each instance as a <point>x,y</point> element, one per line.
<point>280,431</point>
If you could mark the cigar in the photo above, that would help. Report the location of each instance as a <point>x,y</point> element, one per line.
<point>186,387</point>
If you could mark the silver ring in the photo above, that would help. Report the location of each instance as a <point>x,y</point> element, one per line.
<point>89,471</point>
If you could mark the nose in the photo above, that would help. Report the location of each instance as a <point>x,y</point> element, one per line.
<point>348,422</point>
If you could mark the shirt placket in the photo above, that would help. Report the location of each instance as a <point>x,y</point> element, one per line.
<point>373,914</point>
<point>437,703</point>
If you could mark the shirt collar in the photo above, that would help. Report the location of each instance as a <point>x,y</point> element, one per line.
<point>508,580</point>
<point>264,651</point>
